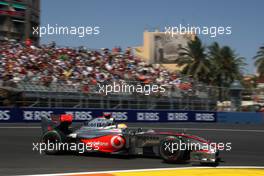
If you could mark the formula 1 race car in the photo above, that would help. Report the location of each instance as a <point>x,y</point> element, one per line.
<point>105,136</point>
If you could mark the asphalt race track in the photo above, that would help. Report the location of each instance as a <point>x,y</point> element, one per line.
<point>17,157</point>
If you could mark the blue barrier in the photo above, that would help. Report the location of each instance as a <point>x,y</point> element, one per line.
<point>240,117</point>
<point>35,115</point>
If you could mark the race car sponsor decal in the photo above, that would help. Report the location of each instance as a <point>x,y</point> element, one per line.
<point>117,142</point>
<point>109,143</point>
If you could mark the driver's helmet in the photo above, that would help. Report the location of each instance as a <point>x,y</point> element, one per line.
<point>122,126</point>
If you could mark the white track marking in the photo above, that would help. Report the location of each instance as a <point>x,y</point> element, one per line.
<point>191,129</point>
<point>19,127</point>
<point>214,129</point>
<point>156,169</point>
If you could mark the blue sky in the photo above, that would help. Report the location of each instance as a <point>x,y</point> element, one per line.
<point>122,22</point>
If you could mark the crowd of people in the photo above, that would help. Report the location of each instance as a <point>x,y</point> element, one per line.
<point>48,64</point>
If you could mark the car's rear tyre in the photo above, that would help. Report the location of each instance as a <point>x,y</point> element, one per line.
<point>170,150</point>
<point>52,140</point>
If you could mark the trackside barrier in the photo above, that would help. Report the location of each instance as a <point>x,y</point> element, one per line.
<point>240,117</point>
<point>35,115</point>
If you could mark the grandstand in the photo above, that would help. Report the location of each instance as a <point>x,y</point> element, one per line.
<point>52,76</point>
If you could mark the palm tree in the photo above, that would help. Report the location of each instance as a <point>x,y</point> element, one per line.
<point>226,65</point>
<point>259,63</point>
<point>195,60</point>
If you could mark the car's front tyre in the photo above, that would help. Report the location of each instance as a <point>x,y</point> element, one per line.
<point>170,150</point>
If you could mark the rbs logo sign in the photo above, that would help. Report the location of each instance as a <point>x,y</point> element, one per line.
<point>119,116</point>
<point>205,117</point>
<point>148,116</point>
<point>36,115</point>
<point>4,115</point>
<point>81,115</point>
<point>178,116</point>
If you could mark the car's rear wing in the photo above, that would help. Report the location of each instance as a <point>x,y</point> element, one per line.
<point>61,122</point>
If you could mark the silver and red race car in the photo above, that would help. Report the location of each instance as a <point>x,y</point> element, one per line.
<point>105,136</point>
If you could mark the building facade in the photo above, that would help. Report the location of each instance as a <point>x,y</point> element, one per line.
<point>162,48</point>
<point>18,17</point>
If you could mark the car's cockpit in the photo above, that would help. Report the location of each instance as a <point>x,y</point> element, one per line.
<point>103,123</point>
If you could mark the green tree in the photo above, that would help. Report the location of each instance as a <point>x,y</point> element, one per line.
<point>226,65</point>
<point>214,65</point>
<point>259,61</point>
<point>195,60</point>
